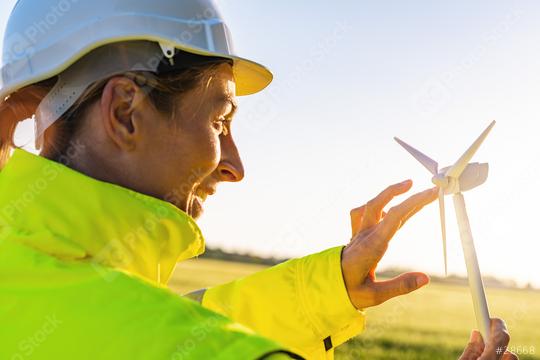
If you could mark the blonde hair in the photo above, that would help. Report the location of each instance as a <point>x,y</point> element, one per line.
<point>162,89</point>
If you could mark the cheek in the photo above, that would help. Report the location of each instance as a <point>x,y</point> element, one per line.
<point>198,153</point>
<point>208,153</point>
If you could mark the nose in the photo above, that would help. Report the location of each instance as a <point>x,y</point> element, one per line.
<point>230,167</point>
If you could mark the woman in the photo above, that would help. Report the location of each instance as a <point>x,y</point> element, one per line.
<point>133,102</point>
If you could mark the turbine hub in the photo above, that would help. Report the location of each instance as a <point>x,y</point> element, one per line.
<point>440,180</point>
<point>449,184</point>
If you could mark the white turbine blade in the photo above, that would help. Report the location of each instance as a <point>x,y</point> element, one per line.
<point>476,285</point>
<point>456,170</point>
<point>443,228</point>
<point>425,160</point>
<point>474,175</point>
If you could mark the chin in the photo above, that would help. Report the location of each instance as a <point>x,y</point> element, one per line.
<point>197,208</point>
<point>193,207</point>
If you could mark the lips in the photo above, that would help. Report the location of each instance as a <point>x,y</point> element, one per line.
<point>203,193</point>
<point>210,191</point>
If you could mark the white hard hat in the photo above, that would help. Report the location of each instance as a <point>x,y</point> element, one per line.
<point>44,38</point>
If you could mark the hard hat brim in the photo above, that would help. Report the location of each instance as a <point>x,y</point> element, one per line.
<point>250,76</point>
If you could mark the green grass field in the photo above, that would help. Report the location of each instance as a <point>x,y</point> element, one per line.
<point>432,323</point>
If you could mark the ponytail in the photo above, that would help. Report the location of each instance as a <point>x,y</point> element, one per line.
<point>19,106</point>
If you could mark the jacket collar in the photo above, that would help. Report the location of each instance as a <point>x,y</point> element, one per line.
<point>71,216</point>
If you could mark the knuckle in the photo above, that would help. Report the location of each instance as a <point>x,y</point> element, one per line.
<point>390,213</point>
<point>386,193</point>
<point>378,235</point>
<point>394,209</point>
<point>393,212</point>
<point>505,336</point>
<point>356,211</point>
<point>502,337</point>
<point>498,323</point>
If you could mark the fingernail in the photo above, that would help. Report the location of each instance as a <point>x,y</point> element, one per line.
<point>421,280</point>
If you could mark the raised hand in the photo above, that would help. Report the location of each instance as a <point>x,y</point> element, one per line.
<point>372,230</point>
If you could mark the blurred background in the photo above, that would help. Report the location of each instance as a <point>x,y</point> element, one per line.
<point>349,76</point>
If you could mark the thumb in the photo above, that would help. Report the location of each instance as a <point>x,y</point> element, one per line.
<point>400,285</point>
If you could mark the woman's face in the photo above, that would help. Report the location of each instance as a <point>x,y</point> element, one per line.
<point>187,157</point>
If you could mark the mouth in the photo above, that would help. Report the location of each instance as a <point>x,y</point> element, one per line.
<point>203,193</point>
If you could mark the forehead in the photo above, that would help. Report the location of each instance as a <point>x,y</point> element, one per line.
<point>216,92</point>
<point>222,81</point>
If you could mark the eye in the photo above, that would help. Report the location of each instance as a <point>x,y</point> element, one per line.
<point>222,125</point>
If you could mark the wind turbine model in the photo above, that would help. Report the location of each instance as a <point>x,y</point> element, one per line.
<point>461,177</point>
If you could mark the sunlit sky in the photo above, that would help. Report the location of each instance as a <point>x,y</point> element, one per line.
<point>351,75</point>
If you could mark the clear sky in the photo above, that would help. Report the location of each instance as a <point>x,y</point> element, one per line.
<point>350,75</point>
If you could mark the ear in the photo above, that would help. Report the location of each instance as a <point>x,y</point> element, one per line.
<point>121,104</point>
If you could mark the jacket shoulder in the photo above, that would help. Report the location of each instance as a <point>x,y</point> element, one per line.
<point>81,310</point>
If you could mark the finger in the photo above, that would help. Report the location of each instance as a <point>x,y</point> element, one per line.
<point>356,219</point>
<point>508,355</point>
<point>374,207</point>
<point>499,339</point>
<point>400,285</point>
<point>411,214</point>
<point>399,214</point>
<point>474,347</point>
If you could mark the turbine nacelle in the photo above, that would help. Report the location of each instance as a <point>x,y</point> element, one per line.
<point>474,175</point>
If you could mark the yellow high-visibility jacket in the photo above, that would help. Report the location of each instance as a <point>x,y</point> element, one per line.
<point>53,215</point>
